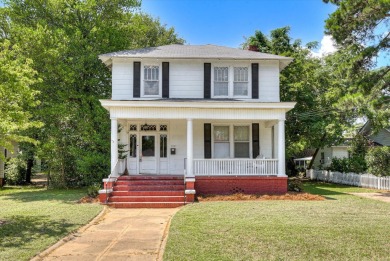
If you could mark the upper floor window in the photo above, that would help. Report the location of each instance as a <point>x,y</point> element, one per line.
<point>151,80</point>
<point>230,81</point>
<point>221,81</point>
<point>240,84</point>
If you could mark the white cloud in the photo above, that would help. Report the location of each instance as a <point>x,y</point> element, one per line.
<point>327,46</point>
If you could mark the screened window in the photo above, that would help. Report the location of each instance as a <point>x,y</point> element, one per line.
<point>163,145</point>
<point>221,142</point>
<point>241,141</point>
<point>240,84</point>
<point>133,146</point>
<point>221,81</point>
<point>151,80</point>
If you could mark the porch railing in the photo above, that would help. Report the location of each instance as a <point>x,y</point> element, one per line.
<point>235,167</point>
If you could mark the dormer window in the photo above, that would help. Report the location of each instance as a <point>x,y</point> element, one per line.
<point>151,80</point>
<point>231,81</point>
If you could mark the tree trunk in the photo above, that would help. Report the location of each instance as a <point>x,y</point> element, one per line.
<point>30,164</point>
<point>316,152</point>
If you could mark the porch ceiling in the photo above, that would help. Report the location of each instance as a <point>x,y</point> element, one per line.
<point>195,109</point>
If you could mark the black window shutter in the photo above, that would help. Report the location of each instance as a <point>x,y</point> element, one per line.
<point>137,79</point>
<point>255,80</point>
<point>165,80</point>
<point>255,140</point>
<point>207,81</point>
<point>207,140</point>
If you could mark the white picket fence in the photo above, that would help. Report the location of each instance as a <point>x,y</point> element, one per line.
<point>352,179</point>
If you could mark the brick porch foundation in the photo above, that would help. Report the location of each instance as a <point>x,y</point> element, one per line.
<point>223,185</point>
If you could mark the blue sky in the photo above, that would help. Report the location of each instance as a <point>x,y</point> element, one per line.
<point>226,22</point>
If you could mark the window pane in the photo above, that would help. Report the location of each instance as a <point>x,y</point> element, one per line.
<point>240,89</point>
<point>221,89</point>
<point>133,146</point>
<point>151,88</point>
<point>163,146</point>
<point>241,133</point>
<point>241,149</point>
<point>221,133</point>
<point>221,150</point>
<point>148,146</point>
<point>240,74</point>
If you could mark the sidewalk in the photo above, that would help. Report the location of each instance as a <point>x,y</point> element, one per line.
<point>120,234</point>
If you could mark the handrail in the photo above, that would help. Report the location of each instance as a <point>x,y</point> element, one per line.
<point>115,169</point>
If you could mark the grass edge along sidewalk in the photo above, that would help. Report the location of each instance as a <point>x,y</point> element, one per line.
<point>34,219</point>
<point>343,227</point>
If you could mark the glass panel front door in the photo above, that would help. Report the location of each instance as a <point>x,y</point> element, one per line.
<point>148,154</point>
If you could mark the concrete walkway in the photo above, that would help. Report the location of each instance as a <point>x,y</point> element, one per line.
<point>120,234</point>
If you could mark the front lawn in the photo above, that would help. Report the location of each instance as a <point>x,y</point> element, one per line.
<point>32,219</point>
<point>343,227</point>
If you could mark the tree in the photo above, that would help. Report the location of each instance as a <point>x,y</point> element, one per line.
<point>16,96</point>
<point>361,29</point>
<point>314,85</point>
<point>64,39</point>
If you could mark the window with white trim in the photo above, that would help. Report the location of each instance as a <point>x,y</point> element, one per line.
<point>239,142</point>
<point>240,83</point>
<point>221,81</point>
<point>151,80</point>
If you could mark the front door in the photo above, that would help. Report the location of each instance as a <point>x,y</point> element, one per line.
<point>148,155</point>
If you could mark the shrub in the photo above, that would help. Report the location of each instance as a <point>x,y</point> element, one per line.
<point>93,190</point>
<point>340,165</point>
<point>295,184</point>
<point>15,172</point>
<point>378,161</point>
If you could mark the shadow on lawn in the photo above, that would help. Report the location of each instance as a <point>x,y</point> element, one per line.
<point>17,231</point>
<point>323,189</point>
<point>63,195</point>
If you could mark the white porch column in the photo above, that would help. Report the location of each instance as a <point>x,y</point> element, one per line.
<point>281,150</point>
<point>114,142</point>
<point>190,148</point>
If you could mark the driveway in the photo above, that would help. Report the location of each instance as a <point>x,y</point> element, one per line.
<point>119,234</point>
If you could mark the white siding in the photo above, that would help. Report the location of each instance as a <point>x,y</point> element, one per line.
<point>269,81</point>
<point>265,141</point>
<point>340,152</point>
<point>185,79</point>
<point>122,80</point>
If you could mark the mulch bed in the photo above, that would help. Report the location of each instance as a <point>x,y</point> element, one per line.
<point>88,199</point>
<point>240,196</point>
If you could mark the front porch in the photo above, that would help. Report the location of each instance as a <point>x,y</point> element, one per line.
<point>231,146</point>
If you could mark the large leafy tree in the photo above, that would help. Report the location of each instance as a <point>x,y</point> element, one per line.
<point>361,29</point>
<point>16,96</point>
<point>64,38</point>
<point>316,87</point>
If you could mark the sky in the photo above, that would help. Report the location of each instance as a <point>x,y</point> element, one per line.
<point>227,22</point>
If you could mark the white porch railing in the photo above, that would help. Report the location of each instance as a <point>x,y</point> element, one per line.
<point>235,167</point>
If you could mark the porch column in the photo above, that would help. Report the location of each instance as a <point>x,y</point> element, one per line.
<point>281,150</point>
<point>190,148</point>
<point>114,142</point>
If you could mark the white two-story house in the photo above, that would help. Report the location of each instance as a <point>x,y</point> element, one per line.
<point>209,113</point>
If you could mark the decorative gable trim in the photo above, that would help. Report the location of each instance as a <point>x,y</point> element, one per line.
<point>137,79</point>
<point>165,80</point>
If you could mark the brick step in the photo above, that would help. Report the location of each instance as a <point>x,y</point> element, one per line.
<point>148,193</point>
<point>147,199</point>
<point>146,204</point>
<point>148,188</point>
<point>151,177</point>
<point>149,182</point>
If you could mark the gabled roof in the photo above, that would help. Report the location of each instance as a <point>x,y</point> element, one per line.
<point>177,51</point>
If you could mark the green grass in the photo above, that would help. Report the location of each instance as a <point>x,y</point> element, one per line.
<point>37,218</point>
<point>343,227</point>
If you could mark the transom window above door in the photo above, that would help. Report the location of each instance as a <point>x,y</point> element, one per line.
<point>230,81</point>
<point>151,80</point>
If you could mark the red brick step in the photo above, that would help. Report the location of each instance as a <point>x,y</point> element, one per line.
<point>147,199</point>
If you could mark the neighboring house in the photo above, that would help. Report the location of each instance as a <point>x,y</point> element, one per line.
<point>325,155</point>
<point>207,113</point>
<point>382,138</point>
